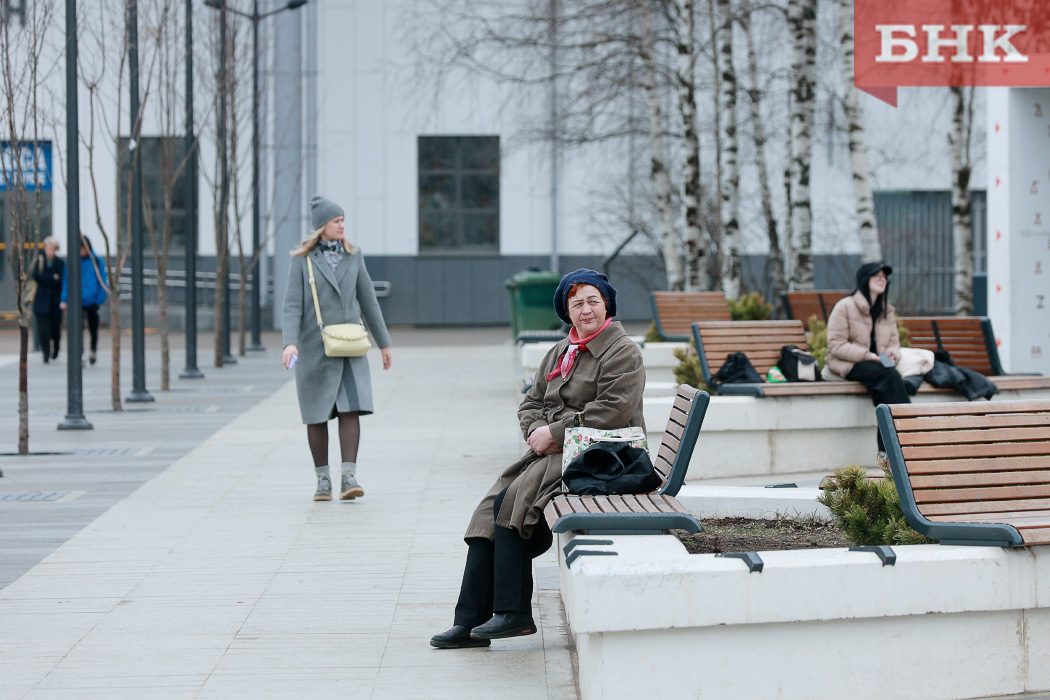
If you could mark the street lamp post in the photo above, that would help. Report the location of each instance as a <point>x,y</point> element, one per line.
<point>74,419</point>
<point>191,371</point>
<point>139,393</point>
<point>255,17</point>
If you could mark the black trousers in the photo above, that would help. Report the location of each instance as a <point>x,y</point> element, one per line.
<point>48,334</point>
<point>497,577</point>
<point>884,384</point>
<point>91,314</point>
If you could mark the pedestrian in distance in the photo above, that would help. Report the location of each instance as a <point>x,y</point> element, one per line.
<point>331,387</point>
<point>94,288</point>
<point>49,274</point>
<point>595,375</point>
<point>864,344</point>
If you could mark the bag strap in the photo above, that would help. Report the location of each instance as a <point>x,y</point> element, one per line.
<point>313,290</point>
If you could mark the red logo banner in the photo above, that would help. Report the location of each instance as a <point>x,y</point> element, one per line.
<point>950,42</point>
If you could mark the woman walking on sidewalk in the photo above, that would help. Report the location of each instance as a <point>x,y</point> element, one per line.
<point>93,286</point>
<point>330,387</point>
<point>597,372</point>
<point>49,273</point>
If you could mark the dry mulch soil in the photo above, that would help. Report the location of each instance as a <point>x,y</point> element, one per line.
<point>747,535</point>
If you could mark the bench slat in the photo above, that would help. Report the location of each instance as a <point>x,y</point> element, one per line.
<point>1006,449</point>
<point>1035,536</point>
<point>931,509</point>
<point>673,504</point>
<point>979,479</point>
<point>1014,516</point>
<point>989,435</point>
<point>659,503</point>
<point>987,464</point>
<point>911,410</point>
<point>990,493</point>
<point>1013,420</point>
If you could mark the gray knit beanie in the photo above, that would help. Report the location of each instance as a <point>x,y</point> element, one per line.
<point>322,211</point>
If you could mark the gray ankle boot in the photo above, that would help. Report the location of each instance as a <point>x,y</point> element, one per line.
<point>350,488</point>
<point>324,484</point>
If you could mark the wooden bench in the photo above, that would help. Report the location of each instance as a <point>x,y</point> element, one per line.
<point>973,473</point>
<point>801,305</point>
<point>675,311</point>
<point>971,343</point>
<point>761,342</point>
<point>654,512</point>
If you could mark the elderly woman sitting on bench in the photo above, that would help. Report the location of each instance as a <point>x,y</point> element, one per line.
<point>596,372</point>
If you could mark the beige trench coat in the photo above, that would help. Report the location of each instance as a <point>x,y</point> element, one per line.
<point>849,333</point>
<point>606,384</point>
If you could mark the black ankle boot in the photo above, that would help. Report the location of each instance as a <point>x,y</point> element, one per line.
<point>458,637</point>
<point>509,624</point>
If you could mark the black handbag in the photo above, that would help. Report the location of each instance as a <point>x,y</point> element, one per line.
<point>798,365</point>
<point>607,468</point>
<point>737,370</point>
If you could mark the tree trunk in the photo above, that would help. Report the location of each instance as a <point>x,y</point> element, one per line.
<point>162,311</point>
<point>658,173</point>
<point>23,388</point>
<point>775,264</point>
<point>730,189</point>
<point>962,231</point>
<point>802,20</point>
<point>684,29</point>
<point>867,226</point>
<point>114,324</point>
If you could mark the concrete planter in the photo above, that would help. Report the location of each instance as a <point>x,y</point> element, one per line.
<point>943,623</point>
<point>749,436</point>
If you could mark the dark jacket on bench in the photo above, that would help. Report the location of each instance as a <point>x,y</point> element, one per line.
<point>849,333</point>
<point>606,384</point>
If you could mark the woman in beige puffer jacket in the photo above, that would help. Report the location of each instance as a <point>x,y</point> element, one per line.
<point>861,327</point>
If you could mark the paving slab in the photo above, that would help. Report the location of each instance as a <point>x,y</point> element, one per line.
<point>211,573</point>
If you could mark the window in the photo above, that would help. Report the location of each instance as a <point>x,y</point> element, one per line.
<point>161,157</point>
<point>459,194</point>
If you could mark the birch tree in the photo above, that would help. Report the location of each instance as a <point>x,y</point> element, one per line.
<point>802,21</point>
<point>26,65</point>
<point>729,211</point>
<point>960,138</point>
<point>684,24</point>
<point>775,259</point>
<point>867,226</point>
<point>658,170</point>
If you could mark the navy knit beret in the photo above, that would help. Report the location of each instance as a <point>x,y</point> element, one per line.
<point>583,276</point>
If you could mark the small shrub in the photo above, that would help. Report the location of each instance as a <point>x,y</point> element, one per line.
<point>687,371</point>
<point>905,343</point>
<point>750,307</point>
<point>868,511</point>
<point>818,339</point>
<point>652,335</point>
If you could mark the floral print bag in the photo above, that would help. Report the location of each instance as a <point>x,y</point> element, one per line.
<point>579,439</point>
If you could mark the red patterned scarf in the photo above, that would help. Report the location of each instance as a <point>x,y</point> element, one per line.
<point>576,346</point>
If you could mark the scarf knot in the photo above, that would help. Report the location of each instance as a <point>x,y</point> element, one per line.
<point>576,346</point>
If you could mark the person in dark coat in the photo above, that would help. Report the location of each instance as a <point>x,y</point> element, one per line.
<point>49,273</point>
<point>94,288</point>
<point>331,387</point>
<point>596,371</point>
<point>860,328</point>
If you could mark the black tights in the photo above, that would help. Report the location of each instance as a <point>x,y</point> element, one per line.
<point>349,438</point>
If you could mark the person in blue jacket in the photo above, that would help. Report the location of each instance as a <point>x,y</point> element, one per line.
<point>93,290</point>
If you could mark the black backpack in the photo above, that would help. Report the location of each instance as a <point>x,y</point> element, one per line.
<point>798,365</point>
<point>737,370</point>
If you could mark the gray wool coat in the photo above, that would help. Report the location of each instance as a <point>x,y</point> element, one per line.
<point>606,384</point>
<point>346,295</point>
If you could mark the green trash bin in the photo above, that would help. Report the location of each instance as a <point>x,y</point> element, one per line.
<point>532,301</point>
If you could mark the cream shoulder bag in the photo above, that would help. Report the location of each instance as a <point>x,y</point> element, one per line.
<point>340,339</point>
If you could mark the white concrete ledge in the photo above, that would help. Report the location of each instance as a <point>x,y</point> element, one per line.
<point>753,436</point>
<point>751,502</point>
<point>944,623</point>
